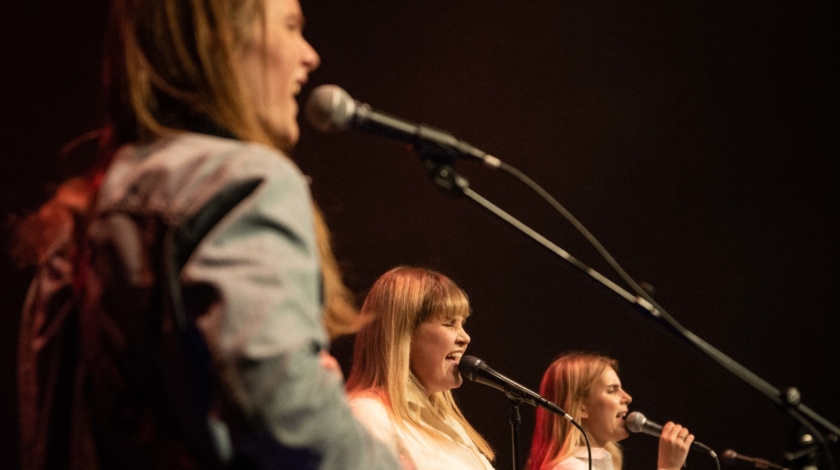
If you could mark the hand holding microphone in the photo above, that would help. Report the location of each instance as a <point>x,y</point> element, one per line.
<point>675,440</point>
<point>674,443</point>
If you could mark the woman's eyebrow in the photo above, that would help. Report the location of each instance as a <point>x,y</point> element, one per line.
<point>296,17</point>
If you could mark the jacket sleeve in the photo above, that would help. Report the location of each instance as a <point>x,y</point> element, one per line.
<point>262,322</point>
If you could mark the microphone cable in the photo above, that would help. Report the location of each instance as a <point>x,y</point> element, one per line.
<point>336,108</point>
<point>522,177</point>
<point>586,439</point>
<point>656,310</point>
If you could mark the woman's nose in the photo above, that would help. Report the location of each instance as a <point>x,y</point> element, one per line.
<point>463,337</point>
<point>311,58</point>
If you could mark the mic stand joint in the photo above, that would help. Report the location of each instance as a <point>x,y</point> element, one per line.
<point>446,177</point>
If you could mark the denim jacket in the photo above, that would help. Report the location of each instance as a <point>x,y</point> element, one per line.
<point>201,321</point>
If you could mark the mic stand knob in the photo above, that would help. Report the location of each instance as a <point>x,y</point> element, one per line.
<point>806,453</point>
<point>445,176</point>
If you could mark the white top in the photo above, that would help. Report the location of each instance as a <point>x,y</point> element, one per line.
<point>601,460</point>
<point>427,454</point>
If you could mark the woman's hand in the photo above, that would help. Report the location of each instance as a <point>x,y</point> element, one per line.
<point>673,446</point>
<point>407,463</point>
<point>329,363</point>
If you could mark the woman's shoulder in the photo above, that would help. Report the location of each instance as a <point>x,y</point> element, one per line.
<point>570,463</point>
<point>368,404</point>
<point>188,154</point>
<point>177,172</point>
<point>370,410</point>
<point>236,155</point>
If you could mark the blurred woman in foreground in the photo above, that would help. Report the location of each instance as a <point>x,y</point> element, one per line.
<point>197,261</point>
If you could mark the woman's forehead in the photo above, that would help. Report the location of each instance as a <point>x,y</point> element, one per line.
<point>608,377</point>
<point>452,314</point>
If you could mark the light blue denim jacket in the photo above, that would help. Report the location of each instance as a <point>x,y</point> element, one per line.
<point>231,222</point>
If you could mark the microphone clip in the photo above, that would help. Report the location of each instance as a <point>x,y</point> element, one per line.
<point>445,176</point>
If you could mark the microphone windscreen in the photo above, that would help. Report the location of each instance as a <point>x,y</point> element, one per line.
<point>468,366</point>
<point>329,108</point>
<point>635,422</point>
<point>729,456</point>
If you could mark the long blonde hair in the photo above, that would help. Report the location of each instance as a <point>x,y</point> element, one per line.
<point>567,382</point>
<point>170,67</point>
<point>170,61</point>
<point>399,302</point>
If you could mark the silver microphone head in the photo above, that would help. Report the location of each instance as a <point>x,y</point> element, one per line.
<point>329,109</point>
<point>635,422</point>
<point>729,456</point>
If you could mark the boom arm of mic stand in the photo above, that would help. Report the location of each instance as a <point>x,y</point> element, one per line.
<point>446,177</point>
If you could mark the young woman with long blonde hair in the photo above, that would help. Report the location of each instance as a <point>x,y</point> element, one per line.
<point>202,271</point>
<point>588,388</point>
<point>405,364</point>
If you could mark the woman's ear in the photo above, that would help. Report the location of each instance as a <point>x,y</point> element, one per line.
<point>583,413</point>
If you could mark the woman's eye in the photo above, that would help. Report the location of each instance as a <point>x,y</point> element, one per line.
<point>294,26</point>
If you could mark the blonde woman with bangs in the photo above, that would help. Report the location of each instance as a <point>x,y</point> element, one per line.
<point>207,291</point>
<point>405,364</point>
<point>588,388</point>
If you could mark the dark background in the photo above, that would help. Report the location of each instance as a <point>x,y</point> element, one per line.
<point>696,139</point>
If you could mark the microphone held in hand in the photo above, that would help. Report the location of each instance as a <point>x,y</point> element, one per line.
<point>636,422</point>
<point>477,370</point>
<point>730,457</point>
<point>331,109</point>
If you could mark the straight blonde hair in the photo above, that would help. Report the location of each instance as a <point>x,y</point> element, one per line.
<point>567,382</point>
<point>170,61</point>
<point>398,303</point>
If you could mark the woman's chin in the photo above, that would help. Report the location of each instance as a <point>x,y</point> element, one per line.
<point>284,132</point>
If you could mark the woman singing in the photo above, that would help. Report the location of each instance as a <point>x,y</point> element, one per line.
<point>588,388</point>
<point>405,363</point>
<point>202,274</point>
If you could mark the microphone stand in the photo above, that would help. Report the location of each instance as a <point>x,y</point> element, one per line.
<point>790,401</point>
<point>515,421</point>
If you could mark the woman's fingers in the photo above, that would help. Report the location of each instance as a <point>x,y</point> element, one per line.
<point>673,446</point>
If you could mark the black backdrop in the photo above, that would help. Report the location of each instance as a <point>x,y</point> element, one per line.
<point>696,139</point>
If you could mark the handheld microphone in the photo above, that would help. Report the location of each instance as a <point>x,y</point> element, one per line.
<point>636,422</point>
<point>477,370</point>
<point>331,109</point>
<point>730,456</point>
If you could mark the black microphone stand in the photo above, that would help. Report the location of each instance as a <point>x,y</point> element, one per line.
<point>515,422</point>
<point>448,179</point>
<point>441,173</point>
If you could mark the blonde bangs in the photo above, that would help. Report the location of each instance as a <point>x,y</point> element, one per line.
<point>445,301</point>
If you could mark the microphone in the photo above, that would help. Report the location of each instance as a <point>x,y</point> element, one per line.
<point>477,370</point>
<point>331,109</point>
<point>636,422</point>
<point>730,456</point>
